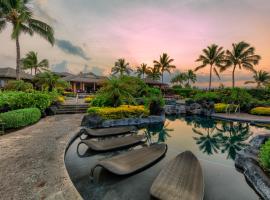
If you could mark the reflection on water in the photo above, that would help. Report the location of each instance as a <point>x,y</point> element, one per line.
<point>212,136</point>
<point>159,131</point>
<point>214,142</point>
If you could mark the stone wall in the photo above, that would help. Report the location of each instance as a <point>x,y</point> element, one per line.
<point>204,108</point>
<point>94,121</point>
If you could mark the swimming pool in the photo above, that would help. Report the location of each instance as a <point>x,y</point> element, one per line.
<point>214,142</point>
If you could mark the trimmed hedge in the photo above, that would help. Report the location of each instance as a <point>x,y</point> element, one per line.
<point>260,111</point>
<point>221,107</point>
<point>264,155</point>
<point>20,100</point>
<point>120,112</point>
<point>20,118</point>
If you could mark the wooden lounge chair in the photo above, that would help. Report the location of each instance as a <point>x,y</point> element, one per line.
<point>133,161</point>
<point>181,178</point>
<point>102,132</point>
<point>113,143</point>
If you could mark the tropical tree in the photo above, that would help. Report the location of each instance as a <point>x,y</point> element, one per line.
<point>153,73</point>
<point>142,70</point>
<point>19,14</point>
<point>49,80</point>
<point>179,78</point>
<point>121,67</point>
<point>164,64</point>
<point>260,78</point>
<point>191,77</point>
<point>214,56</point>
<point>31,62</point>
<point>241,56</point>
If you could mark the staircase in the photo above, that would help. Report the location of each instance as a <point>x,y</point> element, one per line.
<point>72,108</point>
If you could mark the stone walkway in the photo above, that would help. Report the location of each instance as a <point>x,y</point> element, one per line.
<point>242,117</point>
<point>32,160</point>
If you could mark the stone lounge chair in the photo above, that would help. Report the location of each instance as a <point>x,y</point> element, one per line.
<point>113,143</point>
<point>103,132</point>
<point>180,179</point>
<point>132,161</point>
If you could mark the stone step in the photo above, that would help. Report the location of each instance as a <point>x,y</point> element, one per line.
<point>69,111</point>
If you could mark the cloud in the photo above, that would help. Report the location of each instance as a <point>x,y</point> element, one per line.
<point>61,67</point>
<point>42,12</point>
<point>70,48</point>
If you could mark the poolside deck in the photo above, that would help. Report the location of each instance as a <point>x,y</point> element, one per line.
<point>242,117</point>
<point>32,160</point>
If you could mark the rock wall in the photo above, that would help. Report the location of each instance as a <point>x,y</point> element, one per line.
<point>247,160</point>
<point>204,108</point>
<point>94,121</point>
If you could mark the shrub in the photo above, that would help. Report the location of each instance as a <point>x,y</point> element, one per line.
<point>207,96</point>
<point>221,107</point>
<point>20,118</point>
<point>260,111</point>
<point>19,100</point>
<point>19,86</point>
<point>120,112</point>
<point>264,155</point>
<point>185,92</point>
<point>60,99</point>
<point>89,99</point>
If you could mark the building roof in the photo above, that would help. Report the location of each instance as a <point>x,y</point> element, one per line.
<point>63,74</point>
<point>153,82</point>
<point>85,78</point>
<point>9,72</point>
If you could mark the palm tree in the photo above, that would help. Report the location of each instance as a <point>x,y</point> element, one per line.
<point>179,78</point>
<point>164,64</point>
<point>191,77</point>
<point>31,62</point>
<point>121,67</point>
<point>213,55</point>
<point>242,56</point>
<point>153,73</point>
<point>142,70</point>
<point>49,80</point>
<point>261,78</point>
<point>19,14</point>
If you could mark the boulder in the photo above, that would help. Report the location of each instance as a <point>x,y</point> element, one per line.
<point>247,160</point>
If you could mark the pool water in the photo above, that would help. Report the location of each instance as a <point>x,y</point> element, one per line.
<point>214,142</point>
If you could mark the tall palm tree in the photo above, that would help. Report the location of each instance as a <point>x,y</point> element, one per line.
<point>261,78</point>
<point>154,73</point>
<point>31,62</point>
<point>191,77</point>
<point>164,64</point>
<point>179,78</point>
<point>121,67</point>
<point>19,14</point>
<point>242,56</point>
<point>213,55</point>
<point>142,70</point>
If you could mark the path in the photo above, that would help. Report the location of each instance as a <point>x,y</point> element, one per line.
<point>242,117</point>
<point>31,160</point>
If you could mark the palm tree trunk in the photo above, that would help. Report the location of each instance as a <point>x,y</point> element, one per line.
<point>18,59</point>
<point>210,78</point>
<point>233,79</point>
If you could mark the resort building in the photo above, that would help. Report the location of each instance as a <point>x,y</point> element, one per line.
<point>8,74</point>
<point>154,83</point>
<point>85,82</point>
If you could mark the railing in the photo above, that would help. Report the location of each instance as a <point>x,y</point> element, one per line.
<point>228,108</point>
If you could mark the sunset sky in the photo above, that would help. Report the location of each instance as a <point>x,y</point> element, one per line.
<point>92,34</point>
